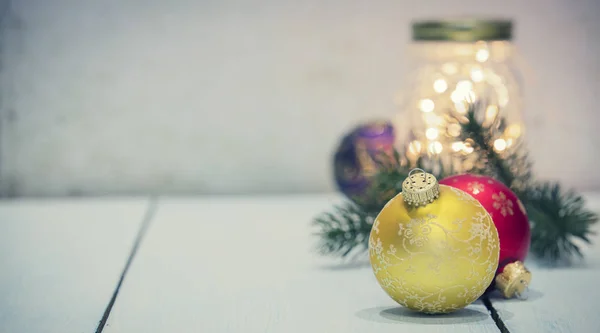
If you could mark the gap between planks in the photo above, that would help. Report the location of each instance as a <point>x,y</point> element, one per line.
<point>495,316</point>
<point>146,220</point>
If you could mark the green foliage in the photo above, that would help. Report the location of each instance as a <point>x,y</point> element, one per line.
<point>513,170</point>
<point>558,218</point>
<point>345,229</point>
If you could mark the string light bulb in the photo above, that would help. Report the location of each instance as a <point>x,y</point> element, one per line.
<point>482,55</point>
<point>476,74</point>
<point>431,133</point>
<point>500,144</point>
<point>440,85</point>
<point>426,105</point>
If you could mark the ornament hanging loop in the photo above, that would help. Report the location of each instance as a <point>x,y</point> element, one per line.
<point>415,169</point>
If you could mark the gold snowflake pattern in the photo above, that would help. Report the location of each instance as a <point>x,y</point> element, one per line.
<point>491,246</point>
<point>479,230</point>
<point>479,217</point>
<point>490,267</point>
<point>376,246</point>
<point>376,226</point>
<point>392,250</point>
<point>474,250</point>
<point>417,231</point>
<point>464,196</point>
<point>503,204</point>
<point>475,187</point>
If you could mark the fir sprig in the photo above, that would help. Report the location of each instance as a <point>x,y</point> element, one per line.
<point>345,229</point>
<point>512,169</point>
<point>558,218</point>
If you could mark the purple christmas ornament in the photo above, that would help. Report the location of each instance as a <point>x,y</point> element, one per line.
<point>354,160</point>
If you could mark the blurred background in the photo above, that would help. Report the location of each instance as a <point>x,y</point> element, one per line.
<point>102,97</point>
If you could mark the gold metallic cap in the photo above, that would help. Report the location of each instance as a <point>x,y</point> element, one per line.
<point>420,189</point>
<point>462,30</point>
<point>514,280</point>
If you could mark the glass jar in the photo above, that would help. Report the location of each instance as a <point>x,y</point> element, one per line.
<point>457,63</point>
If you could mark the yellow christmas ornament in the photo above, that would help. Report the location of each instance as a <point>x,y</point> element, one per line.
<point>433,248</point>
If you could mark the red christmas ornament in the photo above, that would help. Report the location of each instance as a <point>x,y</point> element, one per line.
<point>510,218</point>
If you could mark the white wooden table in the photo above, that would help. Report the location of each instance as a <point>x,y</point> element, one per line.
<point>230,264</point>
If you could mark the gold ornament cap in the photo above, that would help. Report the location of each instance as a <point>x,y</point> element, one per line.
<point>514,280</point>
<point>419,189</point>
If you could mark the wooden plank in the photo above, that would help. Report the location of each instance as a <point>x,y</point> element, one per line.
<point>61,259</point>
<point>563,298</point>
<point>245,265</point>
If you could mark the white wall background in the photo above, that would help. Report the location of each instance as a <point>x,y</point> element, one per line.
<point>233,96</point>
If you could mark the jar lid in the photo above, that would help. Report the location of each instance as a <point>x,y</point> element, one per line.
<point>462,30</point>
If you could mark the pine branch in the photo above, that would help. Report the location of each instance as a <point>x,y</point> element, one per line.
<point>557,219</point>
<point>512,169</point>
<point>344,230</point>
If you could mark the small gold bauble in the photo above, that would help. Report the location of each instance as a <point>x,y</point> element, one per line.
<point>514,280</point>
<point>434,256</point>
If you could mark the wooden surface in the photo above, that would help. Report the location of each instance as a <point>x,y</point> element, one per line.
<point>60,261</point>
<point>562,299</point>
<point>232,265</point>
